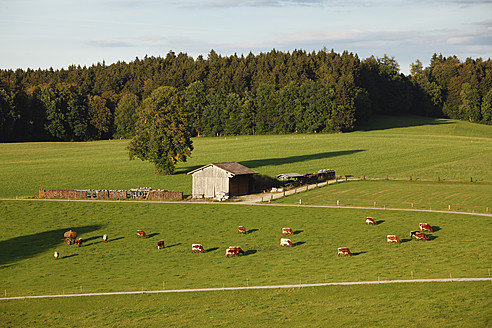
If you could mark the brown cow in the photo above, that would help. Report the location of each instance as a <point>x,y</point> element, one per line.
<point>241,229</point>
<point>287,231</point>
<point>141,233</point>
<point>344,251</point>
<point>425,227</point>
<point>392,239</point>
<point>370,221</point>
<point>160,244</point>
<point>197,248</point>
<point>234,251</point>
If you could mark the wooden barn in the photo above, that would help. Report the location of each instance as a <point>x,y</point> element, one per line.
<point>222,180</point>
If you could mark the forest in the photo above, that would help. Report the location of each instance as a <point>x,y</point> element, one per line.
<point>269,93</point>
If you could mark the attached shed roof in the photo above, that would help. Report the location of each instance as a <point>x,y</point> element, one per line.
<point>287,176</point>
<point>231,167</point>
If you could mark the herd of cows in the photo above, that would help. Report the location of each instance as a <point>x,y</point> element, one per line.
<point>70,238</point>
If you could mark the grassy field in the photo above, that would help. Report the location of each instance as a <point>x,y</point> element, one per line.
<point>128,263</point>
<point>467,197</point>
<point>419,147</point>
<point>30,231</point>
<point>399,305</point>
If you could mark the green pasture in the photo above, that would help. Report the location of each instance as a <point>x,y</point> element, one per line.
<point>30,231</point>
<point>423,148</point>
<point>395,305</point>
<point>466,197</point>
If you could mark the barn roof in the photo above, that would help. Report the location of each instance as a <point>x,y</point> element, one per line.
<point>231,167</point>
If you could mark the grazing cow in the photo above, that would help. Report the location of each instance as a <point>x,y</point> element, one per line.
<point>287,231</point>
<point>105,238</point>
<point>241,229</point>
<point>80,241</point>
<point>285,242</point>
<point>141,233</point>
<point>160,244</point>
<point>344,251</point>
<point>234,251</point>
<point>420,236</point>
<point>425,227</point>
<point>392,239</point>
<point>197,248</point>
<point>55,254</point>
<point>370,221</point>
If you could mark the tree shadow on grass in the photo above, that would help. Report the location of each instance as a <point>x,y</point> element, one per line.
<point>250,252</point>
<point>299,243</point>
<point>251,230</point>
<point>281,160</point>
<point>211,249</point>
<point>30,245</point>
<point>298,158</point>
<point>153,234</point>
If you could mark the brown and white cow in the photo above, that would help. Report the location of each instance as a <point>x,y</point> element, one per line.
<point>285,242</point>
<point>344,251</point>
<point>197,248</point>
<point>420,236</point>
<point>105,238</point>
<point>392,239</point>
<point>234,251</point>
<point>80,241</point>
<point>141,233</point>
<point>287,231</point>
<point>425,227</point>
<point>56,255</point>
<point>370,221</point>
<point>160,244</point>
<point>241,229</point>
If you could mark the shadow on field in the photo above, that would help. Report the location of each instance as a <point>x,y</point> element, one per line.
<point>110,240</point>
<point>66,257</point>
<point>250,252</point>
<point>173,245</point>
<point>299,243</point>
<point>358,253</point>
<point>405,240</point>
<point>96,242</point>
<point>30,245</point>
<point>211,249</point>
<point>432,237</point>
<point>436,228</point>
<point>298,232</point>
<point>153,234</point>
<point>295,159</point>
<point>379,222</point>
<point>92,238</point>
<point>251,230</point>
<point>381,122</point>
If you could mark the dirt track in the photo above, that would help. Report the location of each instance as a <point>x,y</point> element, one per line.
<point>300,285</point>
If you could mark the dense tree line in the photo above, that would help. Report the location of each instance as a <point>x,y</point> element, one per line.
<point>274,92</point>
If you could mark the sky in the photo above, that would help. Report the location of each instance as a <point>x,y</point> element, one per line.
<point>59,33</point>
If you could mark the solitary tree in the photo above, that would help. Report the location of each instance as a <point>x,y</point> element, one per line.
<point>162,135</point>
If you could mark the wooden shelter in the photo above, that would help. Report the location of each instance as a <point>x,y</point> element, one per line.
<point>222,180</point>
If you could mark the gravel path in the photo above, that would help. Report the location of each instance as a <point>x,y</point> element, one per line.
<point>300,285</point>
